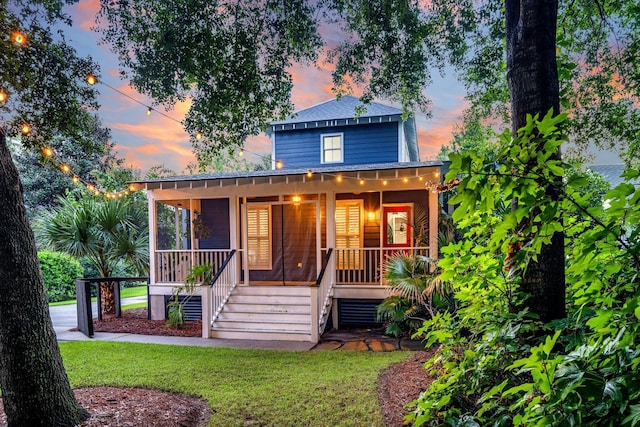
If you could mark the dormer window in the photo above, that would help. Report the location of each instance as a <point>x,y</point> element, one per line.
<point>332,148</point>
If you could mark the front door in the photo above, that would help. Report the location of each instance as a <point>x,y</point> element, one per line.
<point>396,226</point>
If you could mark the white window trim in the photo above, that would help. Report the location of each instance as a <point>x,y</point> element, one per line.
<point>322,150</point>
<point>270,259</point>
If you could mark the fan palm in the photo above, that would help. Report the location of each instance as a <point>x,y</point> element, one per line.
<point>107,232</point>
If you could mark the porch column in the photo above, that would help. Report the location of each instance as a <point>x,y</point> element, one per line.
<point>434,213</point>
<point>205,294</point>
<point>234,239</point>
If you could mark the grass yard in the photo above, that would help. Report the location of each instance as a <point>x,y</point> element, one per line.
<point>136,291</point>
<point>243,387</point>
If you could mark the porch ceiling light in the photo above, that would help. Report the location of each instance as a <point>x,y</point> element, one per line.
<point>296,200</point>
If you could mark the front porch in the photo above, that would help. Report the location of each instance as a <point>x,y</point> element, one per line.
<point>286,249</point>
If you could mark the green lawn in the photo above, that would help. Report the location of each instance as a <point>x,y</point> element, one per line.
<point>125,293</point>
<point>243,387</point>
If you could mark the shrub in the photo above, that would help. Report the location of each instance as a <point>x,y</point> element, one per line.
<point>59,271</point>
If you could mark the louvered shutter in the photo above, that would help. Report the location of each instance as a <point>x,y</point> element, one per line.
<point>259,237</point>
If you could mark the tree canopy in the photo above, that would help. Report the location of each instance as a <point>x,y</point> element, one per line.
<point>176,49</point>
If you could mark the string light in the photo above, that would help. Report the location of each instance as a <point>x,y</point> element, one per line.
<point>26,129</point>
<point>91,79</point>
<point>339,178</point>
<point>278,164</point>
<point>405,180</point>
<point>65,168</point>
<point>76,179</point>
<point>149,109</point>
<point>385,182</point>
<point>309,173</point>
<point>199,135</point>
<point>19,38</point>
<point>3,96</point>
<point>47,151</point>
<point>361,181</point>
<point>241,152</point>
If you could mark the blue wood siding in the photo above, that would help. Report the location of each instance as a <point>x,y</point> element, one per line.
<point>366,143</point>
<point>215,215</point>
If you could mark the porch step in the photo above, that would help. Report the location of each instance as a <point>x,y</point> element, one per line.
<point>249,334</point>
<point>266,313</point>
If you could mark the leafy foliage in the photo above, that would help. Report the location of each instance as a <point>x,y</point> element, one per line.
<point>498,365</point>
<point>59,272</point>
<point>199,274</point>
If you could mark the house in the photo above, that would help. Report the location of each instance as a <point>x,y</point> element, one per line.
<point>301,247</point>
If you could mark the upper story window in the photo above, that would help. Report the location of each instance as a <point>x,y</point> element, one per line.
<point>332,148</point>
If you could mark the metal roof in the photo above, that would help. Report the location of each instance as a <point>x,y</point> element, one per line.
<point>297,171</point>
<point>611,173</point>
<point>340,109</point>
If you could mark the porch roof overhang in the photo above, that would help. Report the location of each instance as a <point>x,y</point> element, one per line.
<point>363,171</point>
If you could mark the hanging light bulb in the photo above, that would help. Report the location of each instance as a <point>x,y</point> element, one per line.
<point>339,178</point>
<point>405,180</point>
<point>278,164</point>
<point>3,96</point>
<point>65,168</point>
<point>91,79</point>
<point>421,178</point>
<point>149,109</point>
<point>97,192</point>
<point>19,38</point>
<point>132,188</point>
<point>47,151</point>
<point>199,135</point>
<point>76,179</point>
<point>309,173</point>
<point>385,182</point>
<point>25,129</point>
<point>362,182</point>
<point>91,187</point>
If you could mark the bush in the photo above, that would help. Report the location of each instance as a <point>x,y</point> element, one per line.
<point>59,271</point>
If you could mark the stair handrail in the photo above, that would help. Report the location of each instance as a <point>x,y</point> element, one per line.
<point>220,298</point>
<point>323,312</point>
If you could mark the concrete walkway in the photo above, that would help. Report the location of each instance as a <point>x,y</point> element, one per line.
<point>64,318</point>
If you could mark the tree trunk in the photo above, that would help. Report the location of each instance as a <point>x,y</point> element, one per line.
<point>35,387</point>
<point>108,299</point>
<point>532,76</point>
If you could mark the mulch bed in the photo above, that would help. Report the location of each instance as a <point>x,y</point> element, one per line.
<point>402,383</point>
<point>135,321</point>
<point>129,407</point>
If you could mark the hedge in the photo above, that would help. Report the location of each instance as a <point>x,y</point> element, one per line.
<point>60,272</point>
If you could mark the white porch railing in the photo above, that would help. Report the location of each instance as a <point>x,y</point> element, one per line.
<point>325,293</point>
<point>222,285</point>
<point>365,266</point>
<point>172,266</point>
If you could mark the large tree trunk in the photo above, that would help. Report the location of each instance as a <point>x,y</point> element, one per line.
<point>35,387</point>
<point>532,76</point>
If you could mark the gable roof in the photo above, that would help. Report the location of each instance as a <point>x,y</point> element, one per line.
<point>339,109</point>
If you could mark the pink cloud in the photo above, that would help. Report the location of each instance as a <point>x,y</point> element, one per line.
<point>85,12</point>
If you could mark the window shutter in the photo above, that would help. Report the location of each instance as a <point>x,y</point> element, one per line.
<point>259,237</point>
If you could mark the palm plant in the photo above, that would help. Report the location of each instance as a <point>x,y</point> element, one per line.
<point>107,232</point>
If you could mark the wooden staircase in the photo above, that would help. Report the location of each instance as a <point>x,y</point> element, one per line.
<point>266,313</point>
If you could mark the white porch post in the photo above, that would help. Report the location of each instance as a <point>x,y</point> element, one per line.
<point>205,293</point>
<point>434,213</point>
<point>331,243</point>
<point>245,239</point>
<point>315,313</point>
<point>234,242</point>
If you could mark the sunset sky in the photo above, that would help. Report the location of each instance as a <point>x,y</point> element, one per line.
<point>144,141</point>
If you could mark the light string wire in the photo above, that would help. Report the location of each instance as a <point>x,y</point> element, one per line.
<point>50,155</point>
